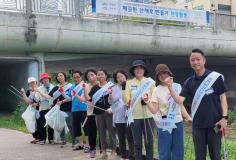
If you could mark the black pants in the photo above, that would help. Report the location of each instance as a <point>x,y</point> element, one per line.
<point>206,137</point>
<point>124,133</point>
<point>36,133</point>
<point>78,118</point>
<point>44,131</point>
<point>142,128</point>
<point>92,131</point>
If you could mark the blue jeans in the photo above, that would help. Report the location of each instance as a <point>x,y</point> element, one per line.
<point>171,146</point>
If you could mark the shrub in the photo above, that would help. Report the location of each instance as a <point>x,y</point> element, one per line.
<point>232,116</point>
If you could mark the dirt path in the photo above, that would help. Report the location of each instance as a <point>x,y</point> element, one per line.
<point>15,145</point>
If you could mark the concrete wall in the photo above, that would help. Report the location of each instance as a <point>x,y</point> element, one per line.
<point>51,34</point>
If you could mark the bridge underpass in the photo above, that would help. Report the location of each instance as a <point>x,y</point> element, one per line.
<point>14,71</point>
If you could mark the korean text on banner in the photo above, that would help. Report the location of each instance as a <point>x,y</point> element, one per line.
<point>133,9</point>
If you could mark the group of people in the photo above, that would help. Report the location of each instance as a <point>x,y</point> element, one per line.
<point>131,109</point>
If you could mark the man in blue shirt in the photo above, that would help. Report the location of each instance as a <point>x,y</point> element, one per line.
<point>209,108</point>
<point>79,111</point>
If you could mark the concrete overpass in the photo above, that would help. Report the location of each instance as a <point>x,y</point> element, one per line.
<point>28,41</point>
<point>57,34</point>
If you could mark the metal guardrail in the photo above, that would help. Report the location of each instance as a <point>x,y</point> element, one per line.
<point>222,21</point>
<point>12,5</point>
<point>61,7</point>
<point>83,9</point>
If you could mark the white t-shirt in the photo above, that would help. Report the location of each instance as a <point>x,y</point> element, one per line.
<point>160,95</point>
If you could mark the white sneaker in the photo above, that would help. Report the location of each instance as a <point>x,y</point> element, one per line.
<point>42,142</point>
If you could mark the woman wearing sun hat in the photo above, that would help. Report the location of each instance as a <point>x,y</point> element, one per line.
<point>44,107</point>
<point>58,96</point>
<point>161,104</point>
<point>139,117</point>
<point>29,98</point>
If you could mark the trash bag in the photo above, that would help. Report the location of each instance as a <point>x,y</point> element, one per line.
<point>37,115</point>
<point>49,117</point>
<point>29,117</point>
<point>56,119</point>
<point>57,137</point>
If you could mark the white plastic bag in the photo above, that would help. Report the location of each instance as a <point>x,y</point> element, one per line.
<point>57,137</point>
<point>49,117</point>
<point>29,117</point>
<point>56,119</point>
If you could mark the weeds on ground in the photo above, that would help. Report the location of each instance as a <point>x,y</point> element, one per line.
<point>14,121</point>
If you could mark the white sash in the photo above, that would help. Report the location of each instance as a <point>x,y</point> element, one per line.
<point>31,98</point>
<point>202,90</point>
<point>50,87</point>
<point>142,89</point>
<point>45,101</point>
<point>101,92</point>
<point>77,89</point>
<point>57,93</point>
<point>168,123</point>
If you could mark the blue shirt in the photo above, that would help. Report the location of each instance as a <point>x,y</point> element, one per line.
<point>76,104</point>
<point>209,111</point>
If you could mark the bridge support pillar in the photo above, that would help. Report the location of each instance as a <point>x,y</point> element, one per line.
<point>38,66</point>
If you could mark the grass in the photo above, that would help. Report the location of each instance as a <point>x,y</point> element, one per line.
<point>14,121</point>
<point>230,150</point>
<point>189,148</point>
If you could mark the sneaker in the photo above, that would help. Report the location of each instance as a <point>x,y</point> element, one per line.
<point>86,149</point>
<point>93,153</point>
<point>78,147</point>
<point>42,142</point>
<point>102,157</point>
<point>34,141</point>
<point>63,143</point>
